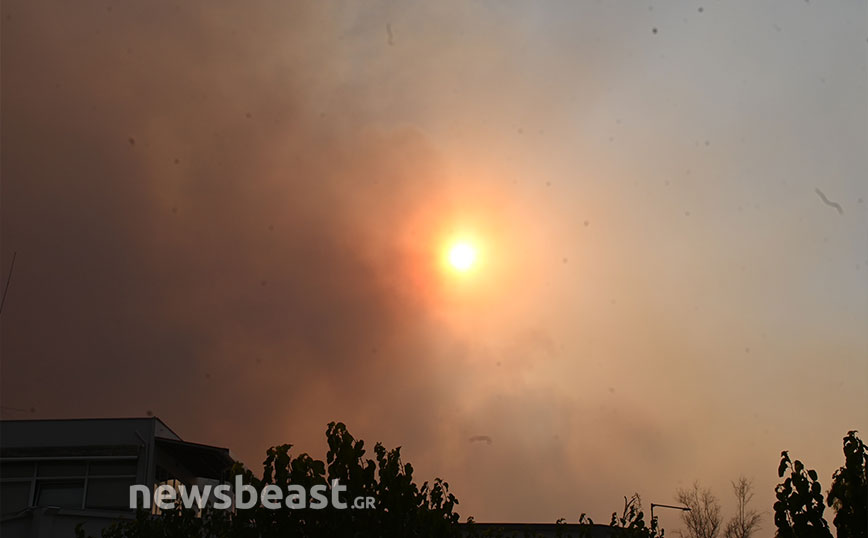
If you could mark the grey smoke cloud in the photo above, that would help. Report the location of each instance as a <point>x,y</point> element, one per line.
<point>225,216</point>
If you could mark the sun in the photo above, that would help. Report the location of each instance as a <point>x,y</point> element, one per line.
<point>462,256</point>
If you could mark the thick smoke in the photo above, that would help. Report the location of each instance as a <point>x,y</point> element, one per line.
<point>206,231</point>
<point>230,216</point>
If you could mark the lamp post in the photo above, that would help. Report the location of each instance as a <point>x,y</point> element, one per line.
<point>682,508</point>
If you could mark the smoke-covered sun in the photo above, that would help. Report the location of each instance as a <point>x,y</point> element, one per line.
<point>462,256</point>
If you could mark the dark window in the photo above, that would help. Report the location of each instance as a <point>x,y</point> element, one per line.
<point>61,468</point>
<point>64,494</point>
<point>67,483</point>
<point>112,468</point>
<point>108,493</point>
<point>14,496</point>
<point>18,469</point>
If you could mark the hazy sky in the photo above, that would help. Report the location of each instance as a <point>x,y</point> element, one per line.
<point>232,216</point>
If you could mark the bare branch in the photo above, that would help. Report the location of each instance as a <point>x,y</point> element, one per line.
<point>703,519</point>
<point>746,521</point>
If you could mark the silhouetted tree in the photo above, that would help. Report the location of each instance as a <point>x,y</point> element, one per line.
<point>631,522</point>
<point>703,519</point>
<point>799,506</point>
<point>745,521</point>
<point>402,508</point>
<point>849,492</point>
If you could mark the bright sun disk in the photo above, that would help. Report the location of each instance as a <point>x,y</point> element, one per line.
<point>462,256</point>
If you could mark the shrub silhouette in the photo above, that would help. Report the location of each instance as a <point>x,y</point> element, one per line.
<point>402,508</point>
<point>799,505</point>
<point>849,492</point>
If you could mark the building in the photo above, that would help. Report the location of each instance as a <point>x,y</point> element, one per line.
<point>55,474</point>
<point>538,530</point>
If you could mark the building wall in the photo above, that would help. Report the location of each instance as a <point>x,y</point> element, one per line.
<point>59,461</point>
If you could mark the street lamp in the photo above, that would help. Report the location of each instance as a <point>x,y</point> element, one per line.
<point>682,508</point>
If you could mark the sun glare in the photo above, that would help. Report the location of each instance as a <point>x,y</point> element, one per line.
<point>462,256</point>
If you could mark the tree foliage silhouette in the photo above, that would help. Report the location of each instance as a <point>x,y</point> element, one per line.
<point>402,508</point>
<point>631,522</point>
<point>848,495</point>
<point>799,505</point>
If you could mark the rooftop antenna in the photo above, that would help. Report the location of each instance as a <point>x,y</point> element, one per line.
<point>8,280</point>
